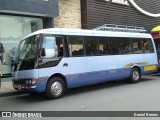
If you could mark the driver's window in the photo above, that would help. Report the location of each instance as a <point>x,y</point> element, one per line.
<point>53,46</point>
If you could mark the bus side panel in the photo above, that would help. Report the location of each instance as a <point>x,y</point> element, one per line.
<point>106,68</point>
<point>46,73</point>
<point>76,80</point>
<point>152,64</point>
<point>98,69</point>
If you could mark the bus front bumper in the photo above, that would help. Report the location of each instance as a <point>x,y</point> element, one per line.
<point>25,84</point>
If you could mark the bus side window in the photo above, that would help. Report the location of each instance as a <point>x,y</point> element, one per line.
<point>75,45</point>
<point>115,46</point>
<point>142,46</point>
<point>53,46</point>
<point>126,46</point>
<point>60,53</point>
<point>91,46</point>
<point>60,47</point>
<point>149,46</point>
<point>104,48</point>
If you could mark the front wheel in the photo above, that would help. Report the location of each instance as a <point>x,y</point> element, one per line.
<point>55,88</point>
<point>135,75</point>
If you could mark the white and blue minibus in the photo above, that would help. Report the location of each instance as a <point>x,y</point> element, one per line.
<point>55,59</point>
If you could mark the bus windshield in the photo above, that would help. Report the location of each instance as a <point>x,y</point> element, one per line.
<point>27,49</point>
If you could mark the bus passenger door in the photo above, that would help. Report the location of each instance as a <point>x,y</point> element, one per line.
<point>51,59</point>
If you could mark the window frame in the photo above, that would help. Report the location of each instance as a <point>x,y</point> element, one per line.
<point>148,39</point>
<point>54,35</point>
<point>96,38</point>
<point>68,49</point>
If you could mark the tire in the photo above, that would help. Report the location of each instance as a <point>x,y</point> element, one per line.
<point>55,88</point>
<point>135,75</point>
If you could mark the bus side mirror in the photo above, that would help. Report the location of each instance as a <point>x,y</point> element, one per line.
<point>43,53</point>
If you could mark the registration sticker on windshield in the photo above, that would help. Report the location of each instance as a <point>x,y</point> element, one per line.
<point>148,68</point>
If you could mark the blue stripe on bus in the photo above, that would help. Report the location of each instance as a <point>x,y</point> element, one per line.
<point>82,79</point>
<point>89,78</point>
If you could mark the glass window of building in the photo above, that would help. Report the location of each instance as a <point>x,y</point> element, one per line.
<point>12,30</point>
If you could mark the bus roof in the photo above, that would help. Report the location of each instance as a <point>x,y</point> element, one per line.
<point>83,32</point>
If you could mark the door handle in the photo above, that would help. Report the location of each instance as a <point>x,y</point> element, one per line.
<point>65,65</point>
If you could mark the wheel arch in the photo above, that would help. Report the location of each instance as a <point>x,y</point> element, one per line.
<point>60,76</point>
<point>138,67</point>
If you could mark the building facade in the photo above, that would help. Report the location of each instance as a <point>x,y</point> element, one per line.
<point>120,12</point>
<point>21,17</point>
<point>69,14</point>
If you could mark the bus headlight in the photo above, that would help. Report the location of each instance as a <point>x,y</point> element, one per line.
<point>30,81</point>
<point>27,81</point>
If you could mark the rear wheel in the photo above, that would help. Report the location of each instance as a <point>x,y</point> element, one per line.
<point>135,75</point>
<point>55,88</point>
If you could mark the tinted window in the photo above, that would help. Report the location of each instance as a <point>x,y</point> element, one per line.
<point>126,46</point>
<point>104,48</point>
<point>115,45</point>
<point>76,47</point>
<point>149,46</point>
<point>142,46</point>
<point>60,46</point>
<point>91,46</point>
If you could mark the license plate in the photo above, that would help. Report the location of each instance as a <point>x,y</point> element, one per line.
<point>148,68</point>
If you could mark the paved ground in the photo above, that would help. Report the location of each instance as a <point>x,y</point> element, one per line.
<point>112,96</point>
<point>6,86</point>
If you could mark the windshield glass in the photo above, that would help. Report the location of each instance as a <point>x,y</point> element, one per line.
<point>27,48</point>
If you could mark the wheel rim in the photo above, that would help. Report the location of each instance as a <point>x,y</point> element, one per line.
<point>56,88</point>
<point>135,75</point>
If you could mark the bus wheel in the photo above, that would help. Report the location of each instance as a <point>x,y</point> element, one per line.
<point>55,88</point>
<point>135,75</point>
